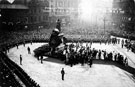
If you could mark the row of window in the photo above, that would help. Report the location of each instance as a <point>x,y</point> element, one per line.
<point>36,19</point>
<point>124,19</point>
<point>39,10</point>
<point>123,1</point>
<point>64,3</point>
<point>117,11</point>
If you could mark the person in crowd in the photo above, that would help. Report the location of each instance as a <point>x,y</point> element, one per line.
<point>115,57</point>
<point>20,59</point>
<point>90,62</point>
<point>71,60</point>
<point>82,57</point>
<point>67,57</point>
<point>120,58</point>
<point>100,42</point>
<point>24,43</point>
<point>17,46</point>
<point>58,26</point>
<point>129,47</point>
<point>38,58</point>
<point>122,43</point>
<point>28,50</point>
<point>110,56</point>
<point>118,41</point>
<point>31,42</point>
<point>41,59</point>
<point>104,55</point>
<point>99,54</point>
<point>62,73</point>
<point>126,61</point>
<point>94,53</point>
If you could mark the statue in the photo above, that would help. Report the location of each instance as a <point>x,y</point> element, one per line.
<point>56,45</point>
<point>58,26</point>
<point>57,41</point>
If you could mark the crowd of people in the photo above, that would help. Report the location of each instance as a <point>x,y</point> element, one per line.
<point>85,33</point>
<point>7,79</point>
<point>129,42</point>
<point>74,33</point>
<point>14,37</point>
<point>10,72</point>
<point>78,53</point>
<point>17,37</point>
<point>129,45</point>
<point>75,53</point>
<point>11,37</point>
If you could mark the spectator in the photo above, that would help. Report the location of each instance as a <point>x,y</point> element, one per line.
<point>17,46</point>
<point>31,42</point>
<point>122,43</point>
<point>20,59</point>
<point>24,43</point>
<point>62,73</point>
<point>90,62</point>
<point>41,59</point>
<point>99,54</point>
<point>126,61</point>
<point>28,50</point>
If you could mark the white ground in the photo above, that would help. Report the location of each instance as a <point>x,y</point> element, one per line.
<point>48,74</point>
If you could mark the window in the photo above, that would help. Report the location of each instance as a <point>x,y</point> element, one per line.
<point>35,19</point>
<point>39,10</point>
<point>31,18</point>
<point>43,17</point>
<point>129,19</point>
<point>35,10</point>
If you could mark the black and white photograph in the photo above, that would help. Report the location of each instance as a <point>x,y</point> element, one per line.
<point>67,43</point>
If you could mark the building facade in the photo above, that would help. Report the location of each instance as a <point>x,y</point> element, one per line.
<point>45,13</point>
<point>13,15</point>
<point>123,14</point>
<point>38,13</point>
<point>65,10</point>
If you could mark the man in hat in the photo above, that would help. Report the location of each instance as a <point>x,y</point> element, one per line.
<point>20,59</point>
<point>62,73</point>
<point>28,50</point>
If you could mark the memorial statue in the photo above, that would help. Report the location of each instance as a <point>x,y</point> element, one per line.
<point>58,25</point>
<point>56,44</point>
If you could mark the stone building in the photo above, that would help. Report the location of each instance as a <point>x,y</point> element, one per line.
<point>45,13</point>
<point>13,15</point>
<point>65,10</point>
<point>123,14</point>
<point>37,13</point>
